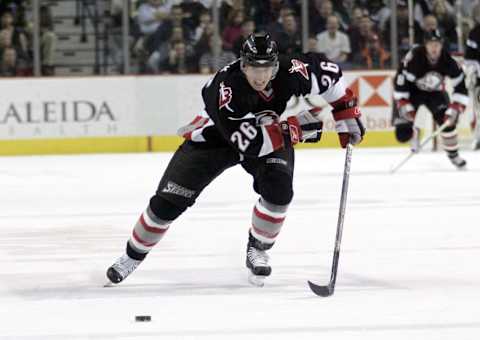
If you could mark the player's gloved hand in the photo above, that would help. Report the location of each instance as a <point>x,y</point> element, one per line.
<point>453,112</point>
<point>311,125</point>
<point>406,110</point>
<point>304,127</point>
<point>350,130</point>
<point>347,119</point>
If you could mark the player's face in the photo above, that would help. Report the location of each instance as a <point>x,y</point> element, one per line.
<point>434,49</point>
<point>258,77</point>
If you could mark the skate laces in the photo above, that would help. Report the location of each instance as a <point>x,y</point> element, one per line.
<point>257,257</point>
<point>125,265</point>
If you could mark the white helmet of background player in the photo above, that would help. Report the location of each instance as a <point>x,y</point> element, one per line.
<point>433,41</point>
<point>259,60</point>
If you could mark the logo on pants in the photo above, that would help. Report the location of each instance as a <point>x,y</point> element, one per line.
<point>175,189</point>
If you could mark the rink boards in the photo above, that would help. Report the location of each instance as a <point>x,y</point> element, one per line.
<point>143,113</point>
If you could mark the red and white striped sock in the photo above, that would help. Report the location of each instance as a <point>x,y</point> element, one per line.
<point>267,220</point>
<point>148,231</point>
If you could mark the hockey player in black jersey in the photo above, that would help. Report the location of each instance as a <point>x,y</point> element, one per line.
<point>420,81</point>
<point>241,124</point>
<point>472,60</point>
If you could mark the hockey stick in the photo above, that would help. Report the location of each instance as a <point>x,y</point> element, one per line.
<point>328,289</point>
<point>420,147</point>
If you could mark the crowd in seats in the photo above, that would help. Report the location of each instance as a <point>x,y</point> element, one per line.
<point>177,36</point>
<point>16,39</point>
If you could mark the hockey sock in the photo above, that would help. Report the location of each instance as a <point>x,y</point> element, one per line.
<point>450,141</point>
<point>267,220</point>
<point>148,231</point>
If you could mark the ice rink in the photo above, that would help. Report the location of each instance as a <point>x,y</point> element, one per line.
<point>409,264</point>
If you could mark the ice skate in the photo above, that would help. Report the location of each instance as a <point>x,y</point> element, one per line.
<point>119,271</point>
<point>257,263</point>
<point>458,161</point>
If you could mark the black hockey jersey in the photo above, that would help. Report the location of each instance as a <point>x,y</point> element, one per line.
<point>417,76</point>
<point>472,51</point>
<point>237,115</point>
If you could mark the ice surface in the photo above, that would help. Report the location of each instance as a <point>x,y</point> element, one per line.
<point>408,265</point>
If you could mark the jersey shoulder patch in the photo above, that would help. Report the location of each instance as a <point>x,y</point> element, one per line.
<point>298,66</point>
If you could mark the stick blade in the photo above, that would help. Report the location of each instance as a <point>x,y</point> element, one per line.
<point>323,291</point>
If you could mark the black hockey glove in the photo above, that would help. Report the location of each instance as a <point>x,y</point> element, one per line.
<point>311,127</point>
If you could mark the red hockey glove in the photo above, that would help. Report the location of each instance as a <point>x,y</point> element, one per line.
<point>304,127</point>
<point>291,130</point>
<point>453,112</point>
<point>347,119</point>
<point>406,110</point>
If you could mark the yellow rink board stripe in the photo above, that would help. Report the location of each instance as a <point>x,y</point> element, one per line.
<point>72,145</point>
<point>155,143</point>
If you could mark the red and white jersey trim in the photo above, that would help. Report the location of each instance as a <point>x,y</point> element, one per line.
<point>335,92</point>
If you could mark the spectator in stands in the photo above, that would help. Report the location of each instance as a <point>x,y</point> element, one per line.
<point>205,19</point>
<point>11,36</point>
<point>318,15</point>
<point>267,12</point>
<point>374,56</point>
<point>48,41</point>
<point>276,26</point>
<point>179,61</point>
<point>209,63</point>
<point>425,7</point>
<point>402,30</point>
<point>447,24</point>
<point>355,20</point>
<point>379,13</point>
<point>152,13</point>
<point>289,40</point>
<point>8,63</point>
<point>202,45</point>
<point>344,10</point>
<point>159,58</point>
<point>193,10</point>
<point>233,30</point>
<point>359,38</point>
<point>248,27</point>
<point>333,43</point>
<point>227,9</point>
<point>152,17</point>
<point>178,18</point>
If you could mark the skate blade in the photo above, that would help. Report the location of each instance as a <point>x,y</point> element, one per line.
<point>256,280</point>
<point>109,284</point>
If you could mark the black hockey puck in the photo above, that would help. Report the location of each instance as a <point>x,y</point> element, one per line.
<point>143,318</point>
